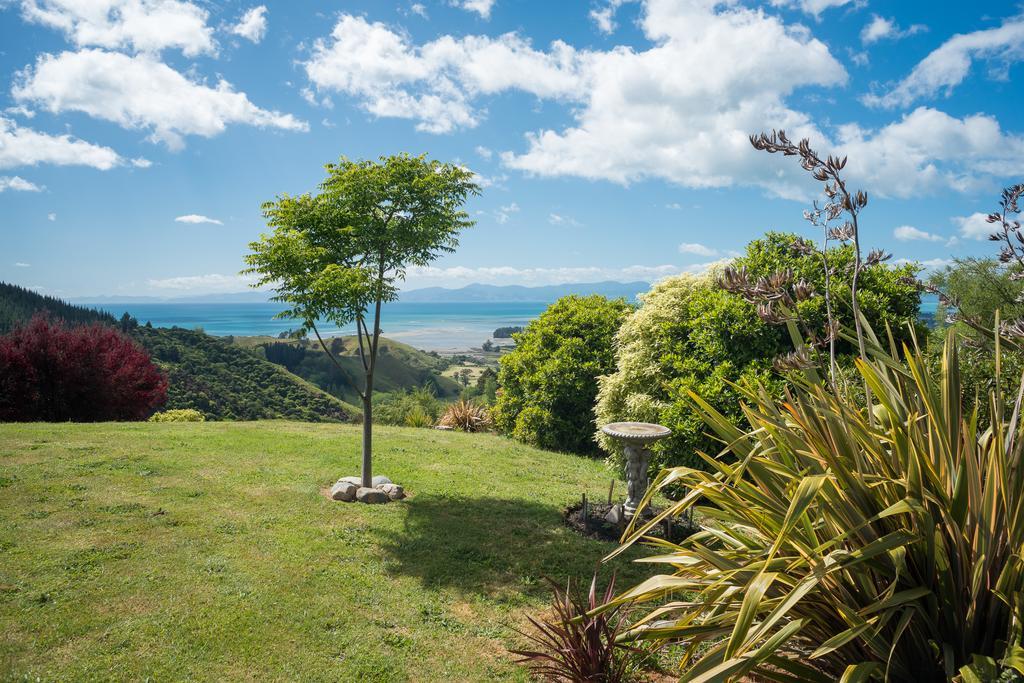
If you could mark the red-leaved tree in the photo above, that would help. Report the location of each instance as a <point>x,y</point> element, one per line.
<point>53,373</point>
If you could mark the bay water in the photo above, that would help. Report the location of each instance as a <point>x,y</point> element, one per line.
<point>428,326</point>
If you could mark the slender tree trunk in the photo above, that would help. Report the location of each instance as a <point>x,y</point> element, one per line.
<point>367,471</point>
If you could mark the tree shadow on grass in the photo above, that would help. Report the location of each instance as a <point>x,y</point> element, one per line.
<point>485,545</point>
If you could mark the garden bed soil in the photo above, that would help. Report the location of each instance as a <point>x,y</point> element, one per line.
<point>595,526</point>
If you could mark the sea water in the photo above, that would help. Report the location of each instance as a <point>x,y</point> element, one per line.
<point>427,326</point>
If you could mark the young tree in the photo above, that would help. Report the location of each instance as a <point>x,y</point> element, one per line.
<point>338,255</point>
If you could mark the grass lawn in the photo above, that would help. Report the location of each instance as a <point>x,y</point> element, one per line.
<point>206,551</point>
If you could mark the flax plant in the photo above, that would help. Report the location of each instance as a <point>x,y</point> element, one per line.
<point>835,546</point>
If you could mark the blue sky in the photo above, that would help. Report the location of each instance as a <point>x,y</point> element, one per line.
<point>138,138</point>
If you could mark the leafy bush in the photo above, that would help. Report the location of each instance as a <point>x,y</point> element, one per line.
<point>178,415</point>
<point>412,408</point>
<point>837,545</point>
<point>53,373</point>
<point>549,381</point>
<point>975,290</point>
<point>689,334</point>
<point>575,645</point>
<point>466,417</point>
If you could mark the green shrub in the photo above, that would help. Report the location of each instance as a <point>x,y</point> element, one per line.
<point>466,417</point>
<point>413,408</point>
<point>179,415</point>
<point>833,546</point>
<point>417,417</point>
<point>976,289</point>
<point>689,334</point>
<point>548,383</point>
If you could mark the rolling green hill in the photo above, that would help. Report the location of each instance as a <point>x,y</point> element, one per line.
<point>399,366</point>
<point>226,382</point>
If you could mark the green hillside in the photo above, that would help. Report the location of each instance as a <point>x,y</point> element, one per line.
<point>226,382</point>
<point>399,366</point>
<point>18,304</point>
<point>207,552</point>
<point>207,373</point>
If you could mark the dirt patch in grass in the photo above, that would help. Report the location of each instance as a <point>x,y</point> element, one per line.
<point>594,525</point>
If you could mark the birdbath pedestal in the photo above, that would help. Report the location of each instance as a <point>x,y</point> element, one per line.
<point>635,437</point>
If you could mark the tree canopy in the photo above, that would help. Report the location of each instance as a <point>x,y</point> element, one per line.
<point>339,254</point>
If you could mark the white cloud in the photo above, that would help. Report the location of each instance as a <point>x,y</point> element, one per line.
<point>418,9</point>
<point>21,146</point>
<point>140,25</point>
<point>253,24</point>
<point>948,65</point>
<point>51,217</point>
<point>859,58</point>
<point>504,213</point>
<point>559,219</point>
<point>17,184</point>
<point>926,264</point>
<point>141,93</point>
<point>437,82</point>
<point>484,152</point>
<point>928,151</point>
<point>697,249</point>
<point>604,17</point>
<point>881,28</point>
<point>679,112</point>
<point>214,283</point>
<point>675,111</point>
<point>907,233</point>
<point>454,276</point>
<point>674,206</point>
<point>20,111</point>
<point>815,7</point>
<point>481,7</point>
<point>975,226</point>
<point>485,181</point>
<point>19,264</point>
<point>197,218</point>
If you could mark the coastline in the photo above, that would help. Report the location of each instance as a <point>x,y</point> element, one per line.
<point>445,328</point>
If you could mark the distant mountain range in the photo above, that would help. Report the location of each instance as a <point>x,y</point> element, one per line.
<point>518,293</point>
<point>469,294</point>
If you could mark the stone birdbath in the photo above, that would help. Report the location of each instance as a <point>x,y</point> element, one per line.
<point>635,437</point>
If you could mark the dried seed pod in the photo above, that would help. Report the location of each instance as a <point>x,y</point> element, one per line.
<point>803,290</point>
<point>794,360</point>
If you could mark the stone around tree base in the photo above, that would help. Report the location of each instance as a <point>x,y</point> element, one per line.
<point>343,490</point>
<point>394,491</point>
<point>382,491</point>
<point>375,482</point>
<point>366,495</point>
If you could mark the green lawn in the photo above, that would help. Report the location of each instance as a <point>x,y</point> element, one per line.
<point>207,551</point>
